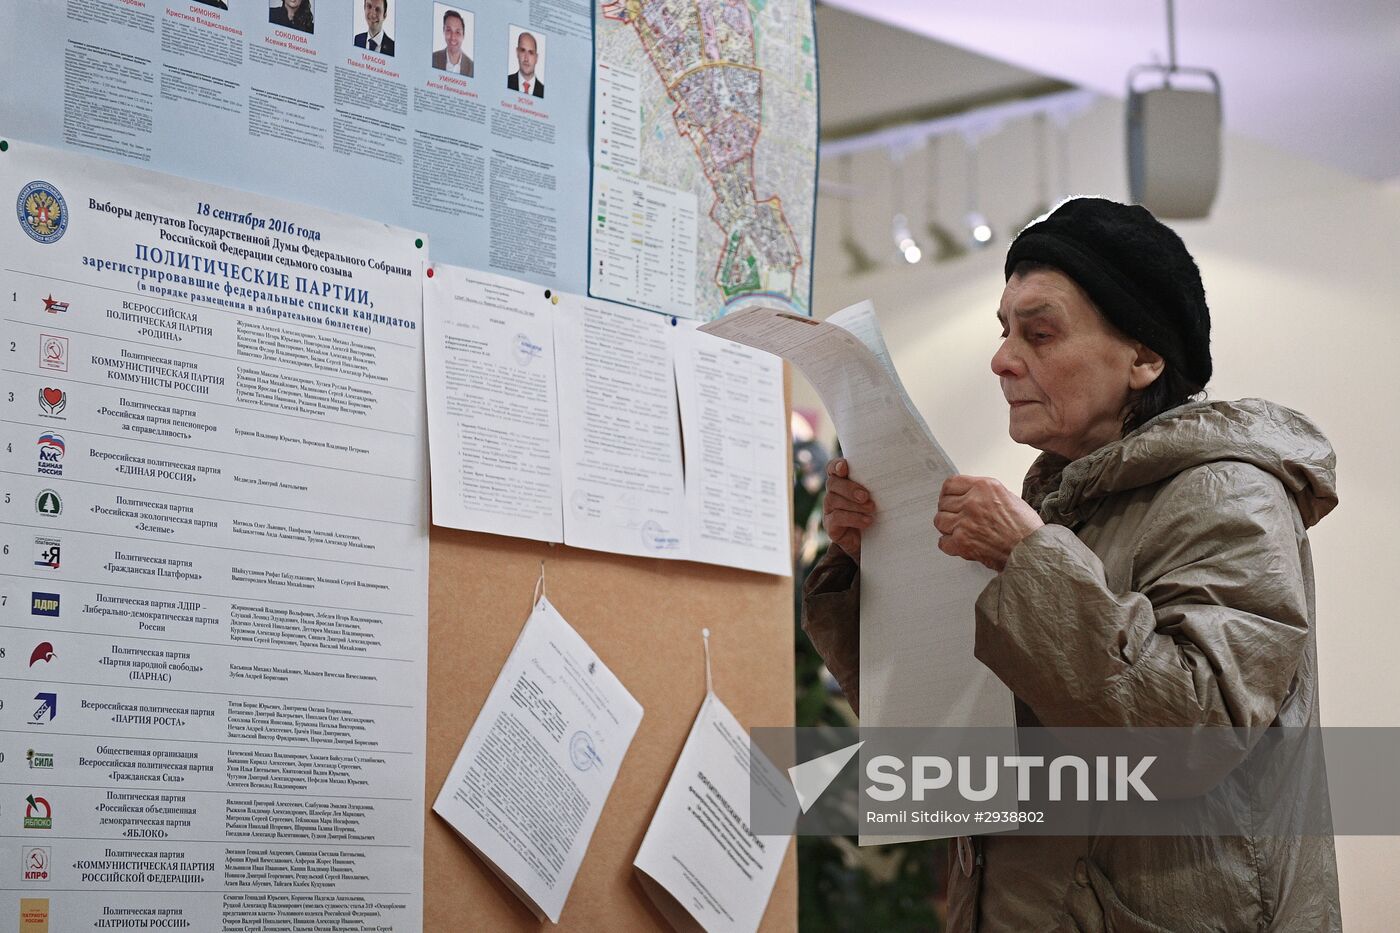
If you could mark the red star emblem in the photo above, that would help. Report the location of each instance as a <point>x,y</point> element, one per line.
<point>50,303</point>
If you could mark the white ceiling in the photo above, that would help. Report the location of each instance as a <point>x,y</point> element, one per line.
<point>1318,78</point>
<point>871,72</point>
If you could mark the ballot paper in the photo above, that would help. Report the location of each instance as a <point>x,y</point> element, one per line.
<point>917,666</point>
<point>493,421</point>
<point>734,429</point>
<point>624,489</point>
<point>699,862</point>
<point>526,790</point>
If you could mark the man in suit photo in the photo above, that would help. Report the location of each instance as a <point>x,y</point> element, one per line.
<point>527,55</point>
<point>375,38</point>
<point>452,58</point>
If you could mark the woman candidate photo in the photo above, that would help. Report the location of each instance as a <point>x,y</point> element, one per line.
<point>293,14</point>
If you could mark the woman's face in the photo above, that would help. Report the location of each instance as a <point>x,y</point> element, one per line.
<point>1067,373</point>
<point>291,6</point>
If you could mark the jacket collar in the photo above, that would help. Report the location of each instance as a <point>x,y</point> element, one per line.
<point>1275,439</point>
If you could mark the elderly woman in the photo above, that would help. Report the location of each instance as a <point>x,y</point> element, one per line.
<point>1154,572</point>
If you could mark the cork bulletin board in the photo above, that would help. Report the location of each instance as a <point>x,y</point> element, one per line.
<point>643,617</point>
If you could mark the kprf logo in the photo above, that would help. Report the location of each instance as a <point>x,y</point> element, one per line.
<point>52,400</point>
<point>53,353</point>
<point>37,813</point>
<point>51,451</point>
<point>34,861</point>
<point>44,604</point>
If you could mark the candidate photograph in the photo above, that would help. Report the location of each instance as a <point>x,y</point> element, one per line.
<point>458,36</point>
<point>374,28</point>
<point>527,53</point>
<point>293,14</point>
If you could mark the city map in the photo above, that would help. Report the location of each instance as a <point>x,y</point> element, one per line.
<point>705,136</point>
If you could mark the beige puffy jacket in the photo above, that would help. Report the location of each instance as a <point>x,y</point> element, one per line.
<point>1172,585</point>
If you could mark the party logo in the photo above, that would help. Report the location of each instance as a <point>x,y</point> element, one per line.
<point>48,503</point>
<point>51,450</point>
<point>53,353</point>
<point>48,553</point>
<point>34,860</point>
<point>37,813</point>
<point>34,914</point>
<point>47,710</point>
<point>52,400</point>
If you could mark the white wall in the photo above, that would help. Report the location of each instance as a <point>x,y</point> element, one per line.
<point>1302,274</point>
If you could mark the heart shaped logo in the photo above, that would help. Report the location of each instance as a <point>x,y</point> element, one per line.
<point>52,400</point>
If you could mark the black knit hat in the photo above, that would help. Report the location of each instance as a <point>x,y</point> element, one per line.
<point>1136,270</point>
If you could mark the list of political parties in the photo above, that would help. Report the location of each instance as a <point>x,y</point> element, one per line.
<point>213,629</point>
<point>467,120</point>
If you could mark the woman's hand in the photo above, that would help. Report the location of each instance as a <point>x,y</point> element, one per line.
<point>847,509</point>
<point>980,519</point>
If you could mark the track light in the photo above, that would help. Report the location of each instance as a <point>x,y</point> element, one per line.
<point>943,244</point>
<point>861,261</point>
<point>1042,174</point>
<point>904,242</point>
<point>979,229</point>
<point>935,236</point>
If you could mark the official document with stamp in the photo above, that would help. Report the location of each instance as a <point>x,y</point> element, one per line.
<point>528,786</point>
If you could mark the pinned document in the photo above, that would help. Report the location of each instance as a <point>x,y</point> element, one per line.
<point>530,782</point>
<point>699,862</point>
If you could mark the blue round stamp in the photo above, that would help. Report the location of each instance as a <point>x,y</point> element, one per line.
<point>657,538</point>
<point>42,212</point>
<point>526,350</point>
<point>581,752</point>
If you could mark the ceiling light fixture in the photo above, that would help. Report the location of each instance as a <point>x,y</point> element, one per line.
<point>903,236</point>
<point>1062,140</point>
<point>1042,172</point>
<point>944,245</point>
<point>861,261</point>
<point>978,227</point>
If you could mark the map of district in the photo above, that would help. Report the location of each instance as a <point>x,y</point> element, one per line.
<point>705,145</point>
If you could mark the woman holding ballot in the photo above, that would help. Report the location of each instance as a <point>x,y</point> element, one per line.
<point>1155,571</point>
